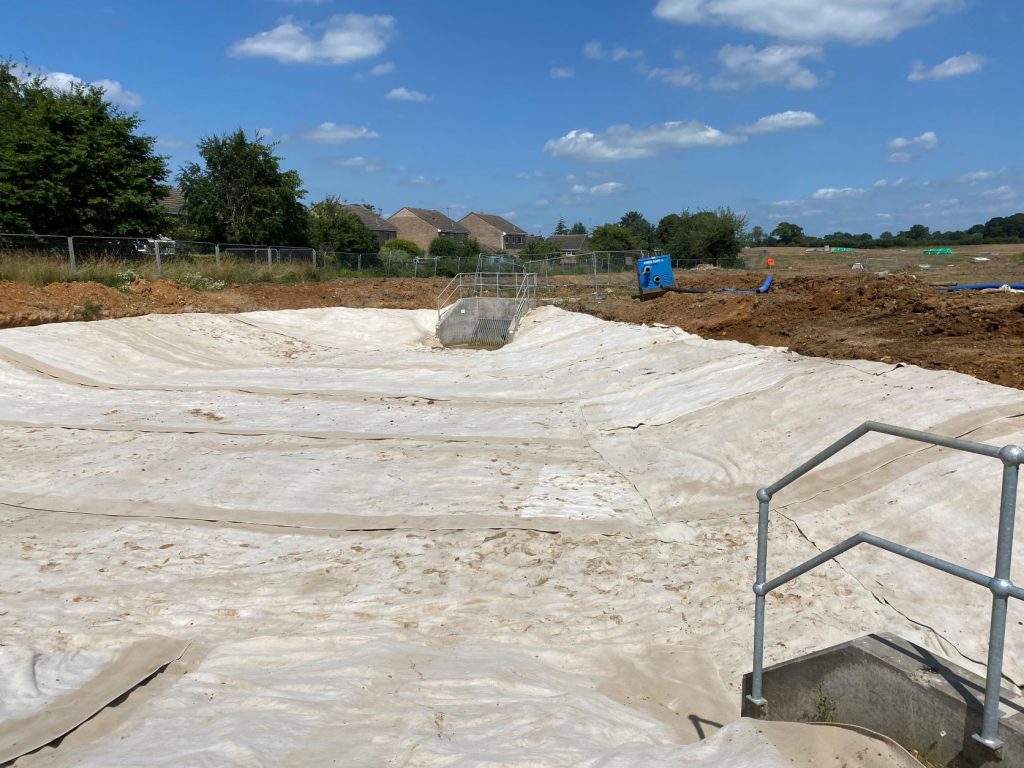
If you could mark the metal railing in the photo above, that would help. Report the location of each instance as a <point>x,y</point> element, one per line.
<point>999,584</point>
<point>521,286</point>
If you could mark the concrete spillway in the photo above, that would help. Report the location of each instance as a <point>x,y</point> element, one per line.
<point>479,322</point>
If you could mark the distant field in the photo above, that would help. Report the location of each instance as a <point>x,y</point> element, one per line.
<point>1005,262</point>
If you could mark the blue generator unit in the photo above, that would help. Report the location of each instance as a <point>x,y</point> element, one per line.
<point>654,275</point>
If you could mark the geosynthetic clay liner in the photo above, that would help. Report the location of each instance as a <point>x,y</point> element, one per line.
<point>400,552</point>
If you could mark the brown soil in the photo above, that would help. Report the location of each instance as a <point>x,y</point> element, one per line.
<point>892,319</point>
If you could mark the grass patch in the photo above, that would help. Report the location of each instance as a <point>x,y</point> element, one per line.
<point>198,272</point>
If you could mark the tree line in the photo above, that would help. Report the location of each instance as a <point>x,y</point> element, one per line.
<point>1000,229</point>
<point>72,162</point>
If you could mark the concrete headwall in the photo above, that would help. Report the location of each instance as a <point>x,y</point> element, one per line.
<point>478,321</point>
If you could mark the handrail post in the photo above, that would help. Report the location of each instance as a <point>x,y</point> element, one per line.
<point>756,696</point>
<point>1011,456</point>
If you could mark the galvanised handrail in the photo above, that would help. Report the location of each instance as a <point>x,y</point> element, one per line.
<point>1000,585</point>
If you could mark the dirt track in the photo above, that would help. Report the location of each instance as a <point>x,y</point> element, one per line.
<point>895,319</point>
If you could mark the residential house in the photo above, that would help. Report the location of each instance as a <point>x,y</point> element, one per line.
<point>384,230</point>
<point>173,201</point>
<point>570,245</point>
<point>493,232</point>
<point>422,225</point>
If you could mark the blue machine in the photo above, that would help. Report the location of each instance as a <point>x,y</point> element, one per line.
<point>654,275</point>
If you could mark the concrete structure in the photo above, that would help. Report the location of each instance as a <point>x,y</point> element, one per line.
<point>479,322</point>
<point>570,245</point>
<point>384,230</point>
<point>888,685</point>
<point>494,232</point>
<point>422,225</point>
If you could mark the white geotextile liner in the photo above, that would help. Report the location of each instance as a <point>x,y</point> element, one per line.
<point>45,695</point>
<point>312,702</point>
<point>344,420</point>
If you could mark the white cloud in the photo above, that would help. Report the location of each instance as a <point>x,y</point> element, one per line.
<point>900,157</point>
<point>364,163</point>
<point>404,94</point>
<point>786,203</point>
<point>578,189</point>
<point>884,215</point>
<point>424,181</point>
<point>595,50</point>
<point>1004,192</point>
<point>880,183</point>
<point>831,193</point>
<point>509,215</point>
<point>345,38</point>
<point>562,73</point>
<point>332,133</point>
<point>620,53</point>
<point>782,121</point>
<point>542,203</point>
<point>169,142</point>
<point>63,81</point>
<point>623,142</point>
<point>927,140</point>
<point>745,65</point>
<point>606,189</point>
<point>527,175</point>
<point>678,77</point>
<point>975,176</point>
<point>265,133</point>
<point>955,66</point>
<point>855,22</point>
<point>384,68</point>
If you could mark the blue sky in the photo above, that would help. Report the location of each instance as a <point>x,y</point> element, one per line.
<point>852,115</point>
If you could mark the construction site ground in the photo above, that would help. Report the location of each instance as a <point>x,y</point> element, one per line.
<point>838,314</point>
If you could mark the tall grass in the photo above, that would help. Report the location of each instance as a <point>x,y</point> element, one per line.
<point>40,268</point>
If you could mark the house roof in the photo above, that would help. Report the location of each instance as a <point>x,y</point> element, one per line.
<point>373,222</point>
<point>569,242</point>
<point>435,218</point>
<point>173,201</point>
<point>497,222</point>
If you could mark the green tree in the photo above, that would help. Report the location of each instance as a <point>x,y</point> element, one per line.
<point>538,246</point>
<point>443,247</point>
<point>666,229</point>
<point>241,195</point>
<point>560,228</point>
<point>614,237</point>
<point>758,237</point>
<point>917,232</point>
<point>403,246</point>
<point>332,227</point>
<point>641,228</point>
<point>709,235</point>
<point>788,234</point>
<point>72,163</point>
<point>578,229</point>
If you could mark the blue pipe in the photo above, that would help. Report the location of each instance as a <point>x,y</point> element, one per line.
<point>763,289</point>
<point>986,286</point>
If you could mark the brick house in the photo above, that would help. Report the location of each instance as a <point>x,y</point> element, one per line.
<point>493,232</point>
<point>383,230</point>
<point>570,245</point>
<point>421,225</point>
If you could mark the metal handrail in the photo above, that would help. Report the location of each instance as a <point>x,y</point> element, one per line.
<point>1002,588</point>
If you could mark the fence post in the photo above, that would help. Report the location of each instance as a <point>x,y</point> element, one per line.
<point>314,259</point>
<point>756,696</point>
<point>359,262</point>
<point>156,250</point>
<point>71,254</point>
<point>1000,596</point>
<point>216,254</point>
<point>270,258</point>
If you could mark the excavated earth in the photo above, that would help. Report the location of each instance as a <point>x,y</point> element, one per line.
<point>895,319</point>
